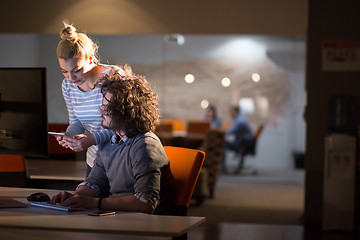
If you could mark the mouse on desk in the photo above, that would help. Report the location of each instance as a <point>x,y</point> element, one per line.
<point>38,197</point>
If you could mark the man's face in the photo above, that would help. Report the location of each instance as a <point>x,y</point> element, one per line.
<point>233,113</point>
<point>106,119</point>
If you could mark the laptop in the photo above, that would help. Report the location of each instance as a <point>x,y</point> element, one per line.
<point>9,202</point>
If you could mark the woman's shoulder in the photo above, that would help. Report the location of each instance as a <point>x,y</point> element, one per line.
<point>108,69</point>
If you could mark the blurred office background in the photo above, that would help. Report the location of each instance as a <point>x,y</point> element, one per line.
<point>141,33</point>
<point>277,98</point>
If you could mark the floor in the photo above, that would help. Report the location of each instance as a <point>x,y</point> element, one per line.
<point>278,218</point>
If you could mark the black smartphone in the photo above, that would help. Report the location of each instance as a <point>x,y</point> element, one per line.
<point>101,213</point>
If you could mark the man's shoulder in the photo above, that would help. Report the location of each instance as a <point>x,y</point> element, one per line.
<point>146,137</point>
<point>142,138</point>
<point>241,119</point>
<point>103,145</point>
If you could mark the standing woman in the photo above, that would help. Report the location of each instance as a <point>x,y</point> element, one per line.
<point>77,56</point>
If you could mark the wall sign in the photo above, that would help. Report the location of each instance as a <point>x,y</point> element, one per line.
<point>341,56</point>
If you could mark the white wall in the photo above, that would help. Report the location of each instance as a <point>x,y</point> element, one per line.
<point>165,63</point>
<point>19,50</point>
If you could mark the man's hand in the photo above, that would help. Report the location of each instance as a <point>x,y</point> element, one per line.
<point>81,201</point>
<point>60,197</point>
<point>74,200</point>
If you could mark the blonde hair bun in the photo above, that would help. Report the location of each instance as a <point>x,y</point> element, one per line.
<point>69,33</point>
<point>76,45</point>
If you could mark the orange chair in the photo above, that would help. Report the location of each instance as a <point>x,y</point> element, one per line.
<point>185,165</point>
<point>178,125</point>
<point>12,171</point>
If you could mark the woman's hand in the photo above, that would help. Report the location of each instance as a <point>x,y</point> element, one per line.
<point>79,142</point>
<point>61,141</point>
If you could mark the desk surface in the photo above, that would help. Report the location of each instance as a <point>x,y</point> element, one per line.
<point>51,169</point>
<point>122,223</point>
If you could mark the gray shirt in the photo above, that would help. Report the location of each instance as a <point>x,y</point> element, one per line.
<point>138,167</point>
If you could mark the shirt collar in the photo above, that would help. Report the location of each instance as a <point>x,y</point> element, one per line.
<point>116,139</point>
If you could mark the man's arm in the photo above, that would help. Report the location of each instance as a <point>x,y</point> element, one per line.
<point>126,203</point>
<point>84,197</point>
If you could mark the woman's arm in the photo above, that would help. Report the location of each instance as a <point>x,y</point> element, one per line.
<point>75,126</point>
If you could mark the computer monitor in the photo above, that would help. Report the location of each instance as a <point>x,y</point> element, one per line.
<point>23,112</point>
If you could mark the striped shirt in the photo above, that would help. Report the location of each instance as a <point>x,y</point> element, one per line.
<point>83,112</point>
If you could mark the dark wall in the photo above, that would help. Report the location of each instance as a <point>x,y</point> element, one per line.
<point>276,17</point>
<point>328,20</point>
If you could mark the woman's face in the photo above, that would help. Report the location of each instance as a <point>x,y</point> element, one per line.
<point>75,69</point>
<point>210,114</point>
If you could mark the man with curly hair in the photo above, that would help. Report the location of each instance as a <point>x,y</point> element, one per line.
<point>131,172</point>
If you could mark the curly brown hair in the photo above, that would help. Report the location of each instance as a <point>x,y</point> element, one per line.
<point>133,107</point>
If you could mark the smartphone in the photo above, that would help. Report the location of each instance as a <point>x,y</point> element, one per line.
<point>56,134</point>
<point>101,213</point>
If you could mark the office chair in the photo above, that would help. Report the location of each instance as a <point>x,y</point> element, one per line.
<point>185,165</point>
<point>12,171</point>
<point>249,150</point>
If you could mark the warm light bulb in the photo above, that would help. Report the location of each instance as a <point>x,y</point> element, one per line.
<point>189,78</point>
<point>255,77</point>
<point>225,82</point>
<point>204,103</point>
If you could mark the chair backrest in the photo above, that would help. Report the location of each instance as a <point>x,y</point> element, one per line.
<point>185,164</point>
<point>198,126</point>
<point>178,125</point>
<point>259,131</point>
<point>251,149</point>
<point>164,127</point>
<point>12,170</point>
<point>12,163</point>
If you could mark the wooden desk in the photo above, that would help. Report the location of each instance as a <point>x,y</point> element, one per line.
<point>35,220</point>
<point>32,234</point>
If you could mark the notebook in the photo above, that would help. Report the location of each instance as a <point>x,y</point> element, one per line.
<point>9,202</point>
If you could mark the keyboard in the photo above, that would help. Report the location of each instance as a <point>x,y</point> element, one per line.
<point>55,206</point>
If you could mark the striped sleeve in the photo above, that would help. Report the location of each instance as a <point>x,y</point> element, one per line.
<point>102,136</point>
